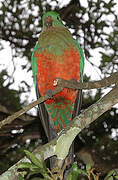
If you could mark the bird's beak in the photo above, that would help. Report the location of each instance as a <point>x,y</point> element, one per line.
<point>48,21</point>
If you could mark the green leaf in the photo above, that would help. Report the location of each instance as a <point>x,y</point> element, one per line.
<point>109,174</point>
<point>112,172</point>
<point>32,173</point>
<point>88,167</point>
<point>73,174</point>
<point>116,177</point>
<point>69,176</point>
<point>34,160</point>
<point>20,177</point>
<point>75,171</point>
<point>110,178</point>
<point>38,163</point>
<point>33,169</point>
<point>83,172</point>
<point>26,165</point>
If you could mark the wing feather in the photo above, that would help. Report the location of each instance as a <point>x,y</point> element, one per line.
<point>41,107</point>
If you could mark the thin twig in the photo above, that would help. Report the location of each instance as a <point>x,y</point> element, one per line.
<point>113,79</point>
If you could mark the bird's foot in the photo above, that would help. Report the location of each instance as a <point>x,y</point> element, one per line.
<point>49,93</point>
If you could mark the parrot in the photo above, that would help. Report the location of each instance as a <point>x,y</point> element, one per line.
<point>57,54</point>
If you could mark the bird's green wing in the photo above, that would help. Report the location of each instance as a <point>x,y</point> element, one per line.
<point>42,110</point>
<point>34,64</point>
<point>81,59</point>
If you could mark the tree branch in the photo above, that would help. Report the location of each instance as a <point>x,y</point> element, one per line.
<point>112,79</point>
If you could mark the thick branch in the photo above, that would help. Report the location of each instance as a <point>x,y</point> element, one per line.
<point>63,84</point>
<point>66,137</point>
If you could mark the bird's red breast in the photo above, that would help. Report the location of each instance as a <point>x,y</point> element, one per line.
<point>49,67</point>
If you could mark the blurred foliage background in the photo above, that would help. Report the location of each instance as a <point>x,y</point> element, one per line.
<point>95,24</point>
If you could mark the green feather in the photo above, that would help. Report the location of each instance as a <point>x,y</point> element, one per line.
<point>34,64</point>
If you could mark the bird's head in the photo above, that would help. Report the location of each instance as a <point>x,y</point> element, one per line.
<point>51,19</point>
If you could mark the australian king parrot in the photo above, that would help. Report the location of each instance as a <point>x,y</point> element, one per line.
<point>57,54</point>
